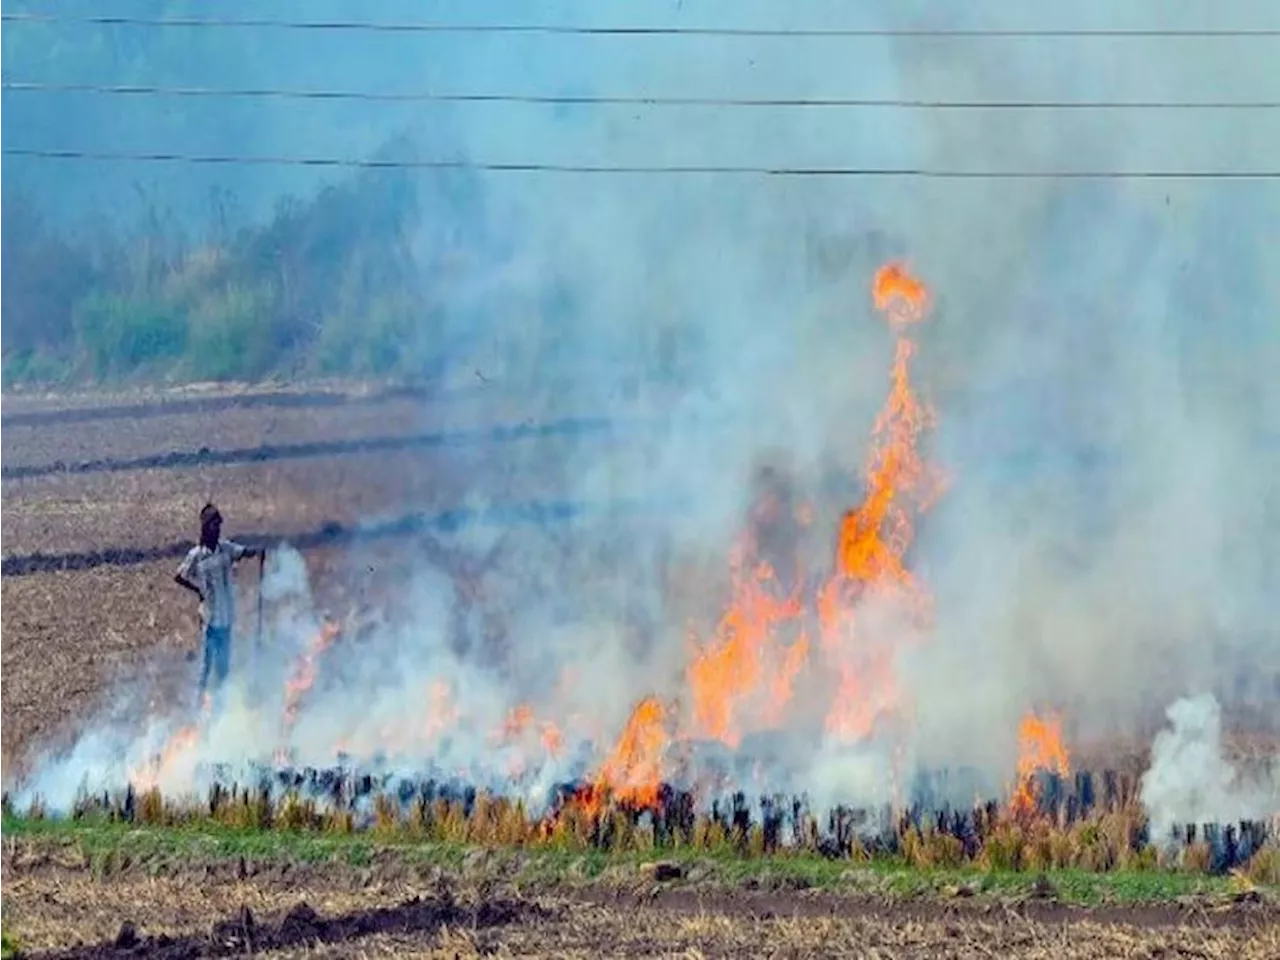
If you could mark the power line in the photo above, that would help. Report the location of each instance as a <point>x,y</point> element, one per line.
<point>548,28</point>
<point>149,90</point>
<point>639,169</point>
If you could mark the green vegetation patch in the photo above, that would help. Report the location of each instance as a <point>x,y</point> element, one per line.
<point>9,945</point>
<point>108,845</point>
<point>333,284</point>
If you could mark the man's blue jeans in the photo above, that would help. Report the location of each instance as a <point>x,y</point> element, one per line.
<point>217,658</point>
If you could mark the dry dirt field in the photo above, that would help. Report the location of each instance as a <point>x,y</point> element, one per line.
<point>58,906</point>
<point>69,634</point>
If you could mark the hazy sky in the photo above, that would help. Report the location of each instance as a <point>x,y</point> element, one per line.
<point>947,68</point>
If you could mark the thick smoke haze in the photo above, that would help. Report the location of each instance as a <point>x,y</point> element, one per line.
<point>1101,353</point>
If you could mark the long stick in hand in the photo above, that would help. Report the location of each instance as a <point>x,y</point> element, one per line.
<point>262,564</point>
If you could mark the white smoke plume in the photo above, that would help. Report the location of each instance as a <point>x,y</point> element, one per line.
<point>1191,782</point>
<point>285,576</point>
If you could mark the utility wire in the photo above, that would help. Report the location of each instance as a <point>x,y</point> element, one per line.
<point>676,169</point>
<point>149,90</point>
<point>547,28</point>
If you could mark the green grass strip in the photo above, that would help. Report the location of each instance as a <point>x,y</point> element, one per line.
<point>105,843</point>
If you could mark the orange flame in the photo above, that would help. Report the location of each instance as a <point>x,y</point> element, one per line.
<point>897,293</point>
<point>442,712</point>
<point>519,724</point>
<point>521,719</point>
<point>552,739</point>
<point>632,773</point>
<point>518,719</point>
<point>305,671</point>
<point>874,538</point>
<point>176,748</point>
<point>745,666</point>
<point>1040,747</point>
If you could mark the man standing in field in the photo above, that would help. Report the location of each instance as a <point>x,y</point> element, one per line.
<point>206,571</point>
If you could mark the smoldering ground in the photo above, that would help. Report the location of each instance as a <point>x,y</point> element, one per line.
<point>1099,353</point>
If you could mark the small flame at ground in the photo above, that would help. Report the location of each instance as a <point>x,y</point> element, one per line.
<point>1040,747</point>
<point>632,773</point>
<point>178,748</point>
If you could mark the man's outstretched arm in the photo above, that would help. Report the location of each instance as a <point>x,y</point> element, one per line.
<point>240,551</point>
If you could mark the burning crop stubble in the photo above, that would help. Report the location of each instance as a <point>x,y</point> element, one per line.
<point>740,682</point>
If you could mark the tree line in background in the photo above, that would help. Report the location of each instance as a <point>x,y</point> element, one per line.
<point>327,286</point>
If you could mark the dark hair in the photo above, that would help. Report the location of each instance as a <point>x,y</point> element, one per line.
<point>208,516</point>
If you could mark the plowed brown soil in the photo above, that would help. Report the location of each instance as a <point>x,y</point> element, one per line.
<point>65,910</point>
<point>37,444</point>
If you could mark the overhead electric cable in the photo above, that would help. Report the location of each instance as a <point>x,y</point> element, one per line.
<point>151,90</point>
<point>636,30</point>
<point>783,170</point>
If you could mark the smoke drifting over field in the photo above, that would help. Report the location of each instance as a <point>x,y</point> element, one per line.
<point>1100,355</point>
<point>1191,782</point>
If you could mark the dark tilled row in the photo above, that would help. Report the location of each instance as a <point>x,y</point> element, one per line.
<point>315,399</point>
<point>266,453</point>
<point>335,534</point>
